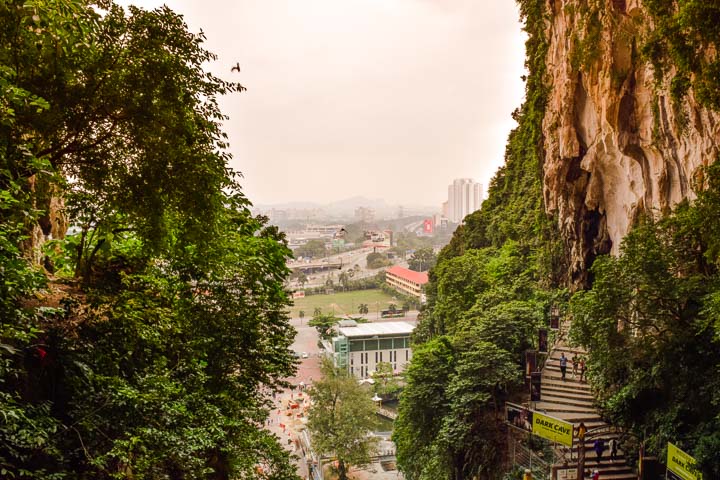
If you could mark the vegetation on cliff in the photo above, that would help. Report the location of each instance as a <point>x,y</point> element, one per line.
<point>651,324</point>
<point>490,291</point>
<point>649,318</point>
<point>153,349</point>
<point>685,38</point>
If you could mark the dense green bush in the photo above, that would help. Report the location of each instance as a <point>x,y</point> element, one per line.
<point>154,350</point>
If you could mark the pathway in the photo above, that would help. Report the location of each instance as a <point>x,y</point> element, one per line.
<point>572,401</point>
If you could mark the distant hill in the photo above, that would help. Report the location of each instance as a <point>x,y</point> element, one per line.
<point>345,208</point>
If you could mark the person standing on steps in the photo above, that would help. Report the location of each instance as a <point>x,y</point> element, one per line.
<point>527,475</point>
<point>563,365</point>
<point>613,449</point>
<point>599,447</point>
<point>595,475</point>
<point>583,367</point>
<point>575,360</point>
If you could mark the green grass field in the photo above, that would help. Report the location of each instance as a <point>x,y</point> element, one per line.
<point>344,303</point>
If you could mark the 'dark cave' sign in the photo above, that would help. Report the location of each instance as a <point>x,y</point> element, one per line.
<point>680,465</point>
<point>534,422</point>
<point>553,429</point>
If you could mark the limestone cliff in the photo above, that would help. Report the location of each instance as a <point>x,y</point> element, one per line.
<point>618,142</point>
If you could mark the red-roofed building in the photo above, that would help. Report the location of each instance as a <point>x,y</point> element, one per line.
<point>406,281</point>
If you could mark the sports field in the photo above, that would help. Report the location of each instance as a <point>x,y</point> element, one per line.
<point>344,303</point>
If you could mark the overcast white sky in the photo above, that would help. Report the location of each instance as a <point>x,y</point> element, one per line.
<point>386,99</point>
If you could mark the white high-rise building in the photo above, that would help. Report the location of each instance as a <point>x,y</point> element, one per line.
<point>464,197</point>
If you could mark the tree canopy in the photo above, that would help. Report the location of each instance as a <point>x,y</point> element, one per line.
<point>154,350</point>
<point>422,260</point>
<point>313,248</point>
<point>491,289</point>
<point>341,418</point>
<point>650,322</point>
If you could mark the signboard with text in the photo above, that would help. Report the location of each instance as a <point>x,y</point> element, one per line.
<point>680,465</point>
<point>553,429</point>
<point>428,225</point>
<point>567,473</point>
<point>544,426</point>
<point>519,417</point>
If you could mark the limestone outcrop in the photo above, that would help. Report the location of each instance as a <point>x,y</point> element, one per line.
<point>617,144</point>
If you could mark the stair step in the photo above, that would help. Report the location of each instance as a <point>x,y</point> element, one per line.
<point>587,418</point>
<point>573,401</point>
<point>565,348</point>
<point>569,383</point>
<point>556,368</point>
<point>567,390</point>
<point>565,402</point>
<point>552,375</point>
<point>563,396</point>
<point>559,407</point>
<point>607,467</point>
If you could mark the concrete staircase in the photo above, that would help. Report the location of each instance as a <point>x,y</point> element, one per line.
<point>572,401</point>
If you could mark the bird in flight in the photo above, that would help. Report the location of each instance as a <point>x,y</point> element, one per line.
<point>236,67</point>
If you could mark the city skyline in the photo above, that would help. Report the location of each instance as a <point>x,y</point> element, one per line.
<point>386,99</point>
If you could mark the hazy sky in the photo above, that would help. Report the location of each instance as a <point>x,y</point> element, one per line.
<point>380,98</point>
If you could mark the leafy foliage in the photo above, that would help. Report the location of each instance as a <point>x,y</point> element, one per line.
<point>340,419</point>
<point>313,248</point>
<point>377,260</point>
<point>685,37</point>
<point>422,260</point>
<point>386,383</point>
<point>161,361</point>
<point>650,322</point>
<point>489,292</point>
<point>324,323</point>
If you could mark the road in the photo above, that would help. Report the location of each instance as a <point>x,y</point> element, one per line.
<point>349,260</point>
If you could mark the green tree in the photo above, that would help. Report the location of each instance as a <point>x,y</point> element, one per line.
<point>472,432</point>
<point>363,308</point>
<point>386,383</point>
<point>377,260</point>
<point>313,248</point>
<point>423,405</point>
<point>344,280</point>
<point>130,375</point>
<point>422,260</point>
<point>301,314</point>
<point>340,419</point>
<point>648,322</point>
<point>324,324</point>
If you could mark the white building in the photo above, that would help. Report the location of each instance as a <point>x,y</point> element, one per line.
<point>464,197</point>
<point>359,347</point>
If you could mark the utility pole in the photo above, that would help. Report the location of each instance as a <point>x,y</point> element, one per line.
<point>581,430</point>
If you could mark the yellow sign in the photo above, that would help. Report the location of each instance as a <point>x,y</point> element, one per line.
<point>553,429</point>
<point>682,464</point>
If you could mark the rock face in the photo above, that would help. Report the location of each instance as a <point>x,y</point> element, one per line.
<point>617,145</point>
<point>51,225</point>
